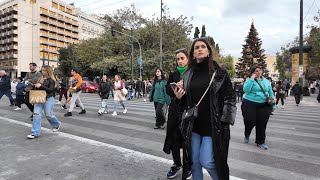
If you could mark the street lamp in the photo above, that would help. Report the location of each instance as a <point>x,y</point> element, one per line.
<point>113,33</point>
<point>103,48</point>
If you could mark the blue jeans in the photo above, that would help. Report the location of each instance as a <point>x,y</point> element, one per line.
<point>202,157</point>
<point>8,94</point>
<point>104,107</point>
<point>48,111</point>
<point>116,104</point>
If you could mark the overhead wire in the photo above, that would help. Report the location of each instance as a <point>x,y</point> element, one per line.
<point>105,5</point>
<point>309,9</point>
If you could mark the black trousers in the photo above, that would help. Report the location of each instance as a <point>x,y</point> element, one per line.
<point>19,100</point>
<point>26,101</point>
<point>282,101</point>
<point>297,98</point>
<point>160,119</point>
<point>256,115</point>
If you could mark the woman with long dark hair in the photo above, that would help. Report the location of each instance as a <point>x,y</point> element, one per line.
<point>173,142</point>
<point>159,96</point>
<point>206,136</point>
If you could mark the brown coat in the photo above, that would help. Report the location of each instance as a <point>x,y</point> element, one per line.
<point>280,93</point>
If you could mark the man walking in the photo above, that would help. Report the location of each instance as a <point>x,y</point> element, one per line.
<point>31,78</point>
<point>76,87</point>
<point>5,86</point>
<point>104,91</point>
<point>297,92</point>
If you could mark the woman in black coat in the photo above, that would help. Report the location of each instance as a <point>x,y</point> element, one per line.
<point>206,137</point>
<point>173,141</point>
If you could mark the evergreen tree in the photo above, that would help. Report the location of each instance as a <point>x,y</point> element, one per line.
<point>203,31</point>
<point>196,33</point>
<point>252,54</point>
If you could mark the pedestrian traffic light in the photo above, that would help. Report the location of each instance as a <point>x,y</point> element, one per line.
<point>113,32</point>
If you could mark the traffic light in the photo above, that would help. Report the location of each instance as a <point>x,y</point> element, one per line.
<point>113,32</point>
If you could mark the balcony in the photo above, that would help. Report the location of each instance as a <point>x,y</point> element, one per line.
<point>75,30</point>
<point>60,31</point>
<point>53,37</point>
<point>44,42</point>
<point>13,56</point>
<point>44,35</point>
<point>13,8</point>
<point>60,25</point>
<point>13,24</point>
<point>12,16</point>
<point>13,39</point>
<point>60,38</point>
<point>13,47</point>
<point>52,29</point>
<point>44,12</point>
<point>43,19</point>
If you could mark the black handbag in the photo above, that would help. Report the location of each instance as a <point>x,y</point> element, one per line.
<point>192,113</point>
<point>269,99</point>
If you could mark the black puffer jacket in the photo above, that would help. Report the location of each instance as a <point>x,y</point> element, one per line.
<point>5,83</point>
<point>104,90</point>
<point>222,112</point>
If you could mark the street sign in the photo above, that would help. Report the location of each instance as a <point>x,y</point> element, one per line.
<point>300,71</point>
<point>139,61</point>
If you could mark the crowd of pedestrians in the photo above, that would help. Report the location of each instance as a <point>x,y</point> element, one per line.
<point>199,95</point>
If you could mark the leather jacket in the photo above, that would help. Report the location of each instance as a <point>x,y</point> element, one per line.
<point>222,114</point>
<point>49,86</point>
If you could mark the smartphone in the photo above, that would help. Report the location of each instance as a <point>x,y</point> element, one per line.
<point>173,85</point>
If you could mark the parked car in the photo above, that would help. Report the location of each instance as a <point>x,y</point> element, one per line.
<point>89,86</point>
<point>13,86</point>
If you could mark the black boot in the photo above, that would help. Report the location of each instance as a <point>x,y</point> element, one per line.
<point>83,112</point>
<point>68,114</point>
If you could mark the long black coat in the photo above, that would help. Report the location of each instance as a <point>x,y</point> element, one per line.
<point>222,115</point>
<point>174,116</point>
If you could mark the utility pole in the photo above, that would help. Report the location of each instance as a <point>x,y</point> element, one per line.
<point>161,35</point>
<point>300,70</point>
<point>42,57</point>
<point>102,61</point>
<point>131,63</point>
<point>113,33</point>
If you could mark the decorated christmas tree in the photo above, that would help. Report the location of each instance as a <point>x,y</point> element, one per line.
<point>252,54</point>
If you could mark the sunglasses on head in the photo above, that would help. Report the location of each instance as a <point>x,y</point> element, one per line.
<point>181,50</point>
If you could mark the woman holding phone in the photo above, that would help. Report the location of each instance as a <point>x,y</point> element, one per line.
<point>173,141</point>
<point>255,108</point>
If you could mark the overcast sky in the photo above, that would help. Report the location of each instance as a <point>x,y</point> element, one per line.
<point>228,21</point>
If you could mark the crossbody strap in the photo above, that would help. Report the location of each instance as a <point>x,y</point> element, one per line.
<point>261,88</point>
<point>207,89</point>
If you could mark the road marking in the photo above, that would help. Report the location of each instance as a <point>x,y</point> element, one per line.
<point>127,152</point>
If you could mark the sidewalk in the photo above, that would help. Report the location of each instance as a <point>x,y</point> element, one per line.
<point>63,156</point>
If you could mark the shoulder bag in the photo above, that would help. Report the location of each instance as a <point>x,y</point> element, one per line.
<point>37,97</point>
<point>192,113</point>
<point>269,99</point>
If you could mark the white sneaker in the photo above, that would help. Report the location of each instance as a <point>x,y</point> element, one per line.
<point>106,112</point>
<point>125,111</point>
<point>59,102</point>
<point>17,109</point>
<point>282,107</point>
<point>114,114</point>
<point>31,136</point>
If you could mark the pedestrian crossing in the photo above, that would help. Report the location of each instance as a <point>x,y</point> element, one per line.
<point>293,136</point>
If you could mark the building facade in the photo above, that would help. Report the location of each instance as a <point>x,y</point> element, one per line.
<point>35,30</point>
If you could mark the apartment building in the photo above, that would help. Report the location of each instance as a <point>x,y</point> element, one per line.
<point>35,30</point>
